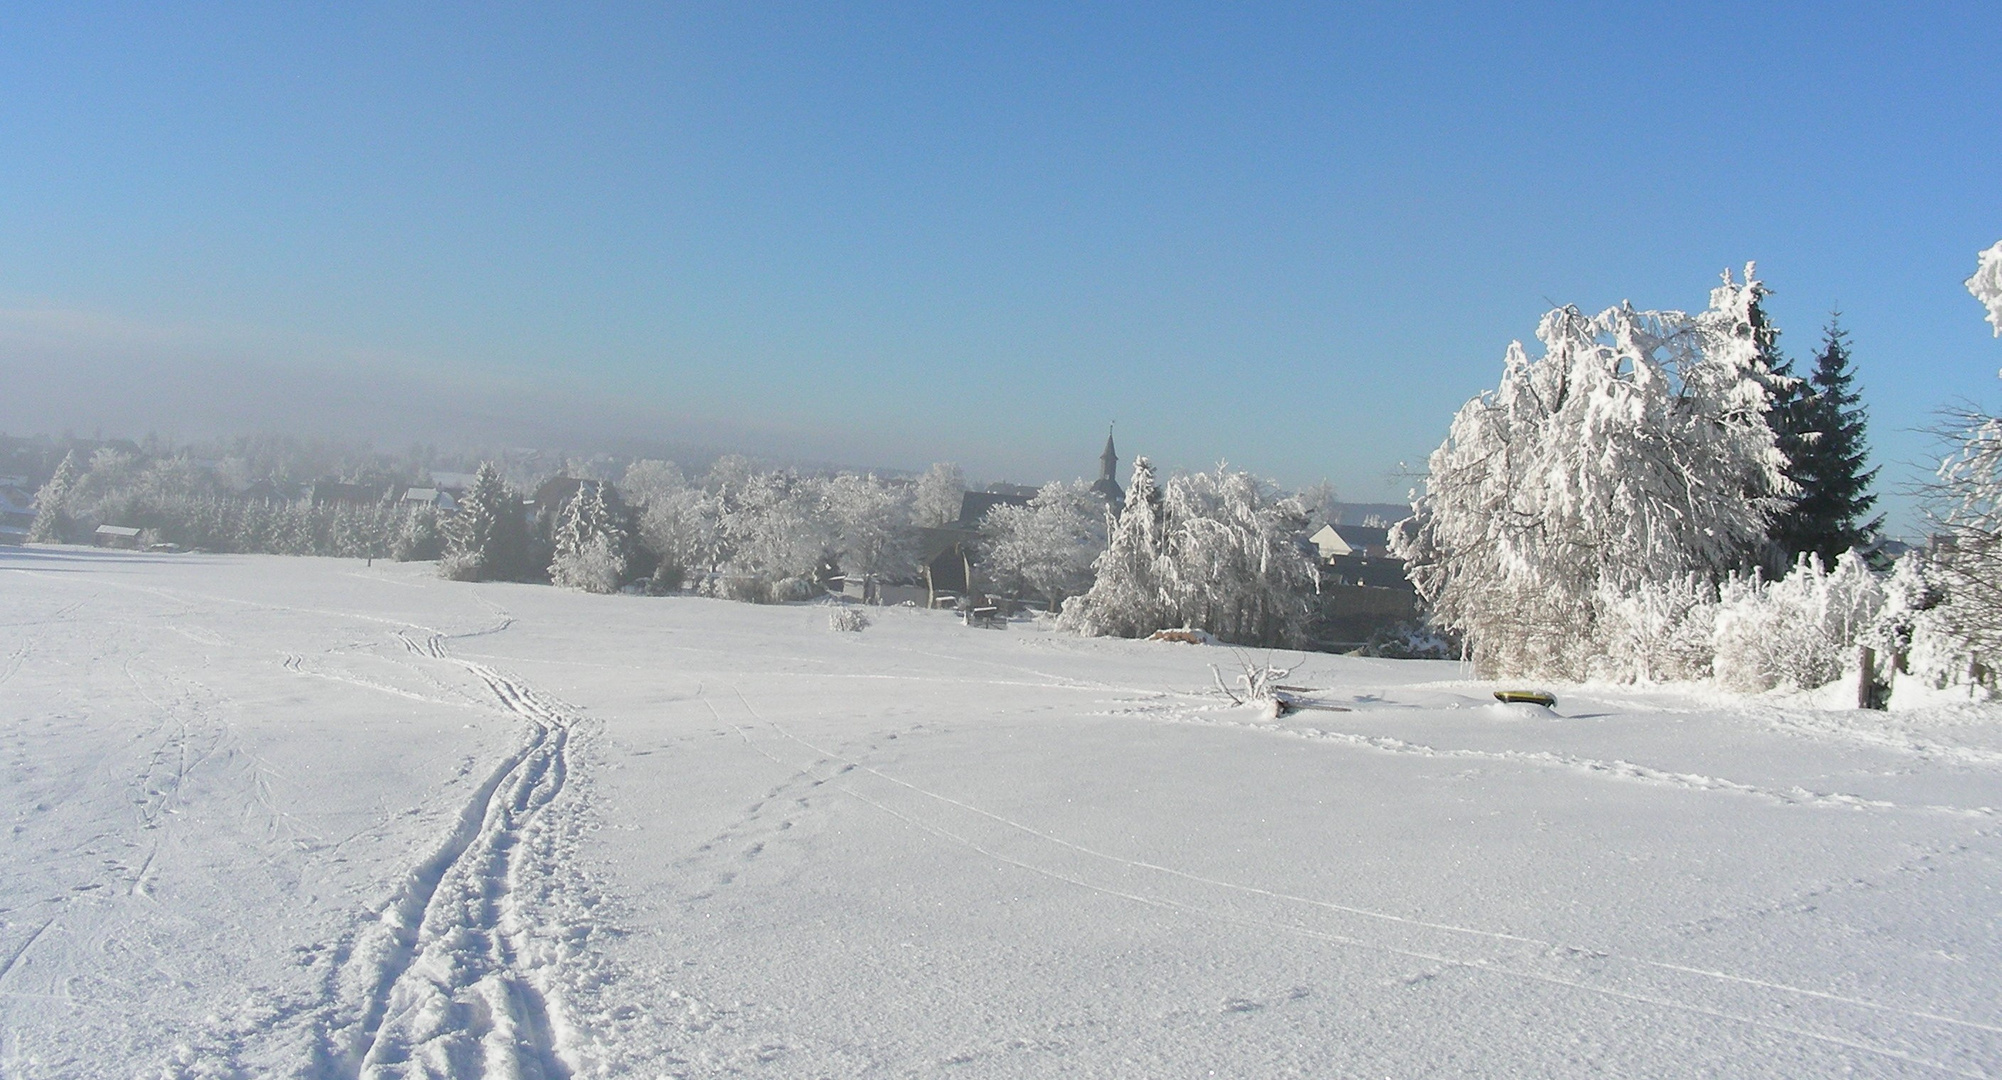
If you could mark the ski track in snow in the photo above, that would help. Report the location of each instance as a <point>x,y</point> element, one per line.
<point>458,983</point>
<point>1758,1003</point>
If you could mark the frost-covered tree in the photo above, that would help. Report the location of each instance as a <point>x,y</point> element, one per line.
<point>1233,560</point>
<point>647,482</point>
<point>1967,561</point>
<point>1047,548</point>
<point>1636,449</point>
<point>1986,284</point>
<point>1216,551</point>
<point>418,538</point>
<point>1127,597</point>
<point>680,529</point>
<point>593,548</point>
<point>1965,565</point>
<point>488,538</point>
<point>774,534</point>
<point>1322,503</point>
<point>729,473</point>
<point>53,524</point>
<point>871,525</point>
<point>938,496</point>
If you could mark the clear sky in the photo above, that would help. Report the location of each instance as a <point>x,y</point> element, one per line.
<point>1296,238</point>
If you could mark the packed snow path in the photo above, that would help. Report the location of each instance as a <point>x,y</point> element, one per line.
<point>303,817</point>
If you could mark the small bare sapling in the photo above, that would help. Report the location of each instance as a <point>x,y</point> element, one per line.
<point>1257,685</point>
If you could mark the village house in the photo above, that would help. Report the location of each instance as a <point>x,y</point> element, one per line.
<point>116,536</point>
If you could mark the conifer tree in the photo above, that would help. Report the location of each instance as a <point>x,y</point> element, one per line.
<point>52,517</point>
<point>592,544</point>
<point>488,539</point>
<point>1826,462</point>
<point>1127,599</point>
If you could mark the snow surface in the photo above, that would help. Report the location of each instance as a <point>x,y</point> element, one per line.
<point>287,816</point>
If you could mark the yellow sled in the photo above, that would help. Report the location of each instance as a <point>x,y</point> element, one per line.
<point>1526,697</point>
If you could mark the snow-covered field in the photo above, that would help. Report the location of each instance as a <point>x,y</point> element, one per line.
<point>286,816</point>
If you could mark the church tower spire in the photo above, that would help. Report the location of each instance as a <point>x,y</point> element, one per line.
<point>1107,486</point>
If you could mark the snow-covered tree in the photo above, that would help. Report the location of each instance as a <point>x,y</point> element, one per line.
<point>1986,284</point>
<point>1965,565</point>
<point>1127,597</point>
<point>1634,450</point>
<point>52,523</point>
<point>938,496</point>
<point>1967,561</point>
<point>1234,562</point>
<point>680,529</point>
<point>1322,503</point>
<point>1217,551</point>
<point>1047,548</point>
<point>488,538</point>
<point>871,523</point>
<point>418,538</point>
<point>592,543</point>
<point>647,482</point>
<point>774,534</point>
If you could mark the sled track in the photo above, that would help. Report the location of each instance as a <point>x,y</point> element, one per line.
<point>454,965</point>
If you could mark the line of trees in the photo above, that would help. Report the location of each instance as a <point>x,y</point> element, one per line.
<point>172,501</point>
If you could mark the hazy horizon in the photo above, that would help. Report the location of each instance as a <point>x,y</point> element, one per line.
<point>1291,239</point>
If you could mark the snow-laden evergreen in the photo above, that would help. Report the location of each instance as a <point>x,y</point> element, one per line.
<point>1128,597</point>
<point>593,544</point>
<point>488,538</point>
<point>1634,450</point>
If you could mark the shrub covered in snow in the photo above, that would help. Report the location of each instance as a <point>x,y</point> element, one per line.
<point>1799,631</point>
<point>845,619</point>
<point>1658,631</point>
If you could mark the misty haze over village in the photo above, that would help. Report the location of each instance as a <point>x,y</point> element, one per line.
<point>878,541</point>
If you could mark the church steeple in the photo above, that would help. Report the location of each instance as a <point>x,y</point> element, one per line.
<point>1107,486</point>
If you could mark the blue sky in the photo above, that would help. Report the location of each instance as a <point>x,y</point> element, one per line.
<point>1296,238</point>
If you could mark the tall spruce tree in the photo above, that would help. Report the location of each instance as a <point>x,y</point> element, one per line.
<point>488,539</point>
<point>1830,512</point>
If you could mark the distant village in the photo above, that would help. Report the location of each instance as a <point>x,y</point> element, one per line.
<point>1361,598</point>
